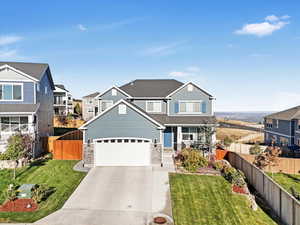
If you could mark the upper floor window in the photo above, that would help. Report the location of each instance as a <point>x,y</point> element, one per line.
<point>299,124</point>
<point>11,92</point>
<point>277,123</point>
<point>190,107</point>
<point>105,104</point>
<point>113,92</point>
<point>153,106</point>
<point>38,87</point>
<point>46,90</point>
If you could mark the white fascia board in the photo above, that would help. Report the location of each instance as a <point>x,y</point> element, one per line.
<point>114,86</point>
<point>18,71</point>
<point>160,126</point>
<point>184,85</point>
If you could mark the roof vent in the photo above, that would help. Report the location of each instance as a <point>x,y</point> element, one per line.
<point>132,83</point>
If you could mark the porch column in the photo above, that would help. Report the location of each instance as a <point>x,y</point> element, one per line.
<point>179,138</point>
<point>30,124</point>
<point>161,144</point>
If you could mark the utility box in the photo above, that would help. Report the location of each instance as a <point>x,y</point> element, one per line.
<point>25,191</point>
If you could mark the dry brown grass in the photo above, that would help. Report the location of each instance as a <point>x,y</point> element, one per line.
<point>237,122</point>
<point>235,134</point>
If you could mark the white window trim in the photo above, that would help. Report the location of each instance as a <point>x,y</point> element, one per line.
<point>193,101</point>
<point>154,111</point>
<point>106,101</point>
<point>12,132</point>
<point>14,100</point>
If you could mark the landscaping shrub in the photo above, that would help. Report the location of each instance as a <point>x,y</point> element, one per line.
<point>41,193</point>
<point>227,141</point>
<point>11,192</point>
<point>255,150</point>
<point>218,166</point>
<point>234,176</point>
<point>192,159</point>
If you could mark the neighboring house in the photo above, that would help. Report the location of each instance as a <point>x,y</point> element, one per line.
<point>26,101</point>
<point>63,102</point>
<point>139,119</point>
<point>89,106</point>
<point>283,128</point>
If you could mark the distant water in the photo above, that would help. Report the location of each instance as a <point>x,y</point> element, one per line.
<point>256,117</point>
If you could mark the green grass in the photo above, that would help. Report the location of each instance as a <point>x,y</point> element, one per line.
<point>287,181</point>
<point>208,200</point>
<point>55,173</point>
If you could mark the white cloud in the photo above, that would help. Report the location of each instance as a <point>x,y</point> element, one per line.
<point>8,54</point>
<point>271,24</point>
<point>178,74</point>
<point>9,39</point>
<point>163,49</point>
<point>81,27</point>
<point>193,69</point>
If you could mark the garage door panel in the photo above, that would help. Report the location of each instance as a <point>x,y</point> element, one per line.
<point>123,154</point>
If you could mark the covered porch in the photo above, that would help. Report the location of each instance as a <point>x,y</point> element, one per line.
<point>13,123</point>
<point>185,136</point>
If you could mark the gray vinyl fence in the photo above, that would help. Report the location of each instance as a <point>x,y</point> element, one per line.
<point>283,204</point>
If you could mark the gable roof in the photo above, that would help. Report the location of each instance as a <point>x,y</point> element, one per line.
<point>132,106</point>
<point>113,87</point>
<point>93,95</point>
<point>289,114</point>
<point>61,86</point>
<point>151,87</point>
<point>35,70</point>
<point>184,85</point>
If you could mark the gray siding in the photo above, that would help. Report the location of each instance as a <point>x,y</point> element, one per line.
<point>297,132</point>
<point>28,93</point>
<point>45,112</point>
<point>142,104</point>
<point>184,94</point>
<point>132,124</point>
<point>284,127</point>
<point>109,96</point>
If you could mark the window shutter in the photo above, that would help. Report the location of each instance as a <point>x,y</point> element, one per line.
<point>204,109</point>
<point>176,107</point>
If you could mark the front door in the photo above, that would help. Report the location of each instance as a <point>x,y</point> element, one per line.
<point>168,135</point>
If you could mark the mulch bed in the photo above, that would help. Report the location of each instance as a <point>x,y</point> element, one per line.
<point>239,190</point>
<point>19,205</point>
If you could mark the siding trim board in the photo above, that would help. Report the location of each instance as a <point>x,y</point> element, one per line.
<point>159,126</point>
<point>276,133</point>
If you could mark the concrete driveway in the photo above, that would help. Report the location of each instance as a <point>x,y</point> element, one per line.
<point>114,196</point>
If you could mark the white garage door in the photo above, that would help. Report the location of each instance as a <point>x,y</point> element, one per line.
<point>123,152</point>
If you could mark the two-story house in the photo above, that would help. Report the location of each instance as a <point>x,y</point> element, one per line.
<point>90,106</point>
<point>283,128</point>
<point>26,102</point>
<point>139,119</point>
<point>63,101</point>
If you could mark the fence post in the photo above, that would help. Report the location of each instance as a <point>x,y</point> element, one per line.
<point>294,213</point>
<point>280,203</point>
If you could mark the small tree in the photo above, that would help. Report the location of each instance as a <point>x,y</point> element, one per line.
<point>77,109</point>
<point>19,146</point>
<point>227,141</point>
<point>256,149</point>
<point>268,158</point>
<point>208,132</point>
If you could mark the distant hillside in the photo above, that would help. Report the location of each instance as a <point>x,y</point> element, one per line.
<point>253,117</point>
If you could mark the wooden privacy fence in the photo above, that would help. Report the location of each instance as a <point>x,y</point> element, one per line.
<point>68,149</point>
<point>69,146</point>
<point>283,204</point>
<point>285,165</point>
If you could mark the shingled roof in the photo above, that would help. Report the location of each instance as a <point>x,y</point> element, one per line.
<point>61,86</point>
<point>35,70</point>
<point>93,95</point>
<point>151,88</point>
<point>23,108</point>
<point>289,114</point>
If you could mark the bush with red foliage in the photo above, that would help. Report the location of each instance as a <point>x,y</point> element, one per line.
<point>19,205</point>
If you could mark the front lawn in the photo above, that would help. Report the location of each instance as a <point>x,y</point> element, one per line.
<point>287,181</point>
<point>55,173</point>
<point>205,200</point>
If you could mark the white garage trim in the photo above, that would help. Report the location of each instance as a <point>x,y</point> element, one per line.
<point>122,151</point>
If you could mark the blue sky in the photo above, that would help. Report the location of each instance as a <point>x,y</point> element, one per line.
<point>246,53</point>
